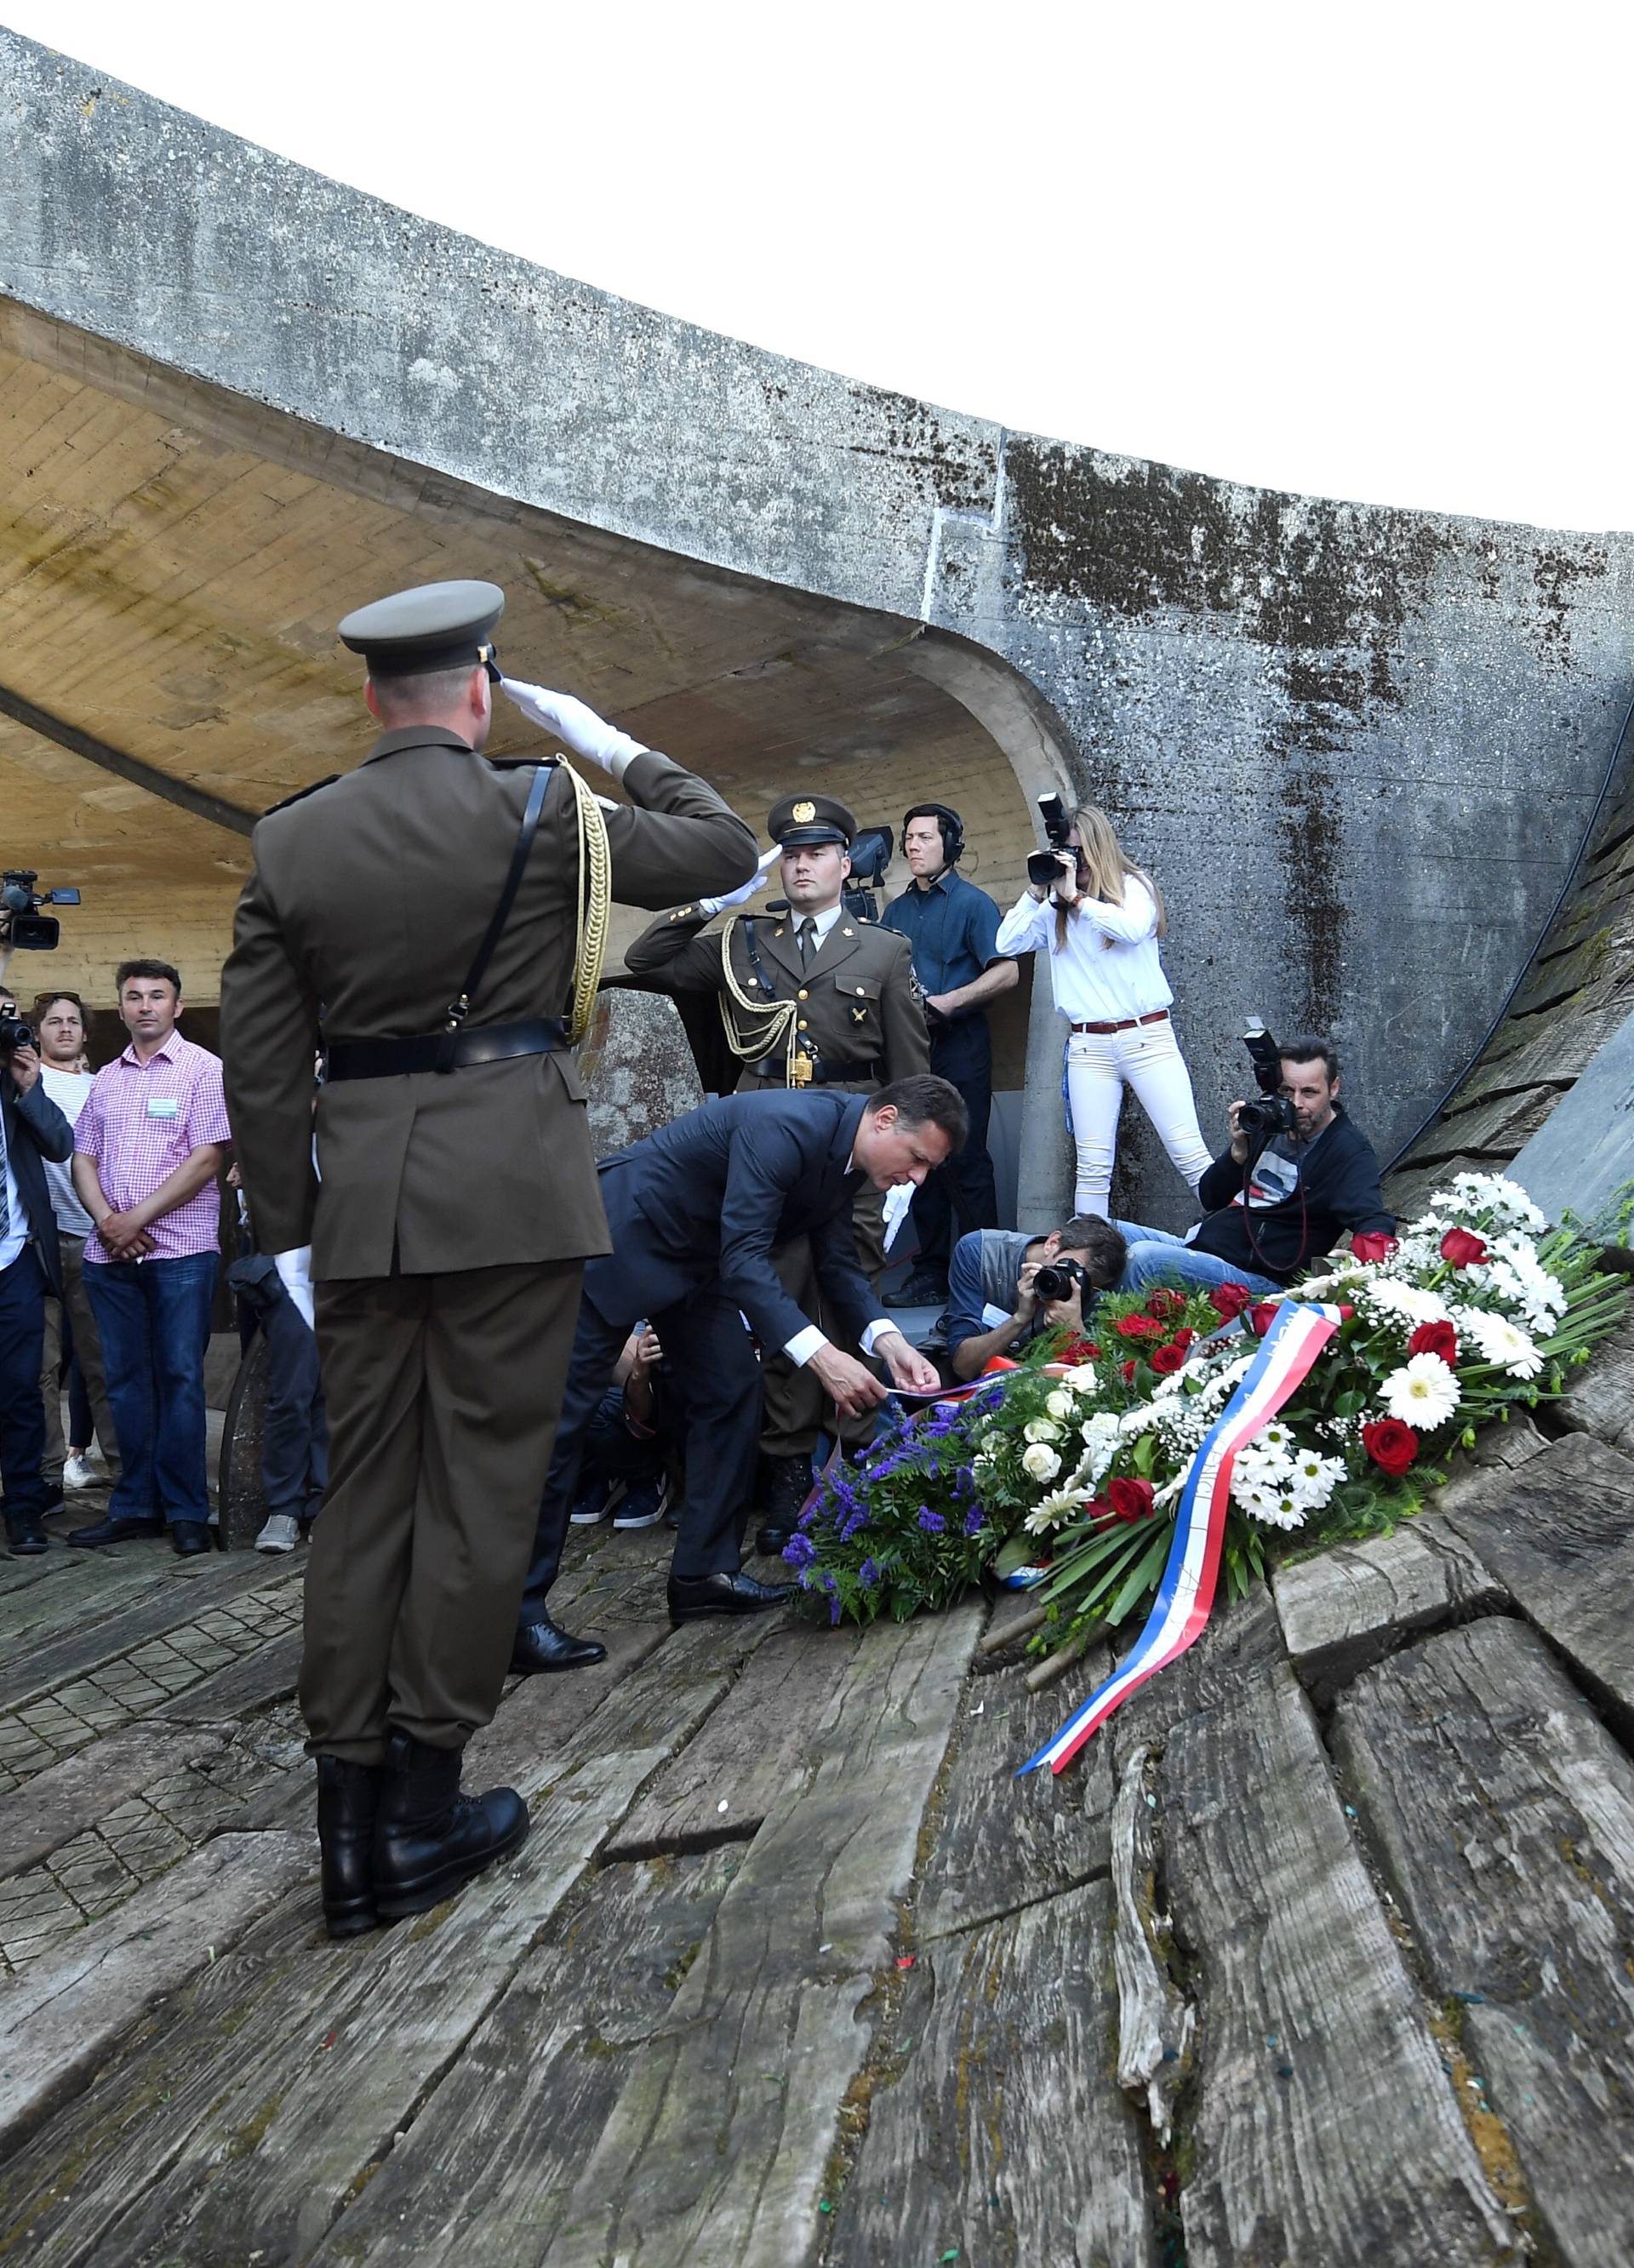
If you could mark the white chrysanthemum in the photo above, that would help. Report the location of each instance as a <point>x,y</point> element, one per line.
<point>1060,1403</point>
<point>1500,1341</point>
<point>1493,1194</point>
<point>1040,1461</point>
<point>1273,1507</point>
<point>1041,1429</point>
<point>1409,1301</point>
<point>1423,1394</point>
<point>1315,1477</point>
<point>1053,1511</point>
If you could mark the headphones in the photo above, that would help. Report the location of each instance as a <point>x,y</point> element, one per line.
<point>949,823</point>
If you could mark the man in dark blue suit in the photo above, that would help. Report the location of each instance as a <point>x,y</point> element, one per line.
<point>695,1213</point>
<point>32,1129</point>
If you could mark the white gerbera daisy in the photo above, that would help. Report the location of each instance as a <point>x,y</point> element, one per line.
<point>1500,1341</point>
<point>1423,1394</point>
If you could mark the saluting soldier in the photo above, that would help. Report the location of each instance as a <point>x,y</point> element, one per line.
<point>428,917</point>
<point>815,996</point>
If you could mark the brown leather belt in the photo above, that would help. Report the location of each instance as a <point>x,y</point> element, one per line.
<point>1157,1016</point>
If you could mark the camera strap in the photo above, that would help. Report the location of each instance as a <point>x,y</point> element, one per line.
<point>460,1008</point>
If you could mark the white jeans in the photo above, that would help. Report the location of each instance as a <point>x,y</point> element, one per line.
<point>1100,1065</point>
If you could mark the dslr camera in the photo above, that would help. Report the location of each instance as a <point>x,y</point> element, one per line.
<point>1272,1114</point>
<point>1056,1278</point>
<point>14,1032</point>
<point>1043,866</point>
<point>31,931</point>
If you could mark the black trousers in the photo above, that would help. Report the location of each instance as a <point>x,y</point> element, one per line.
<point>22,1354</point>
<point>962,1194</point>
<point>717,1377</point>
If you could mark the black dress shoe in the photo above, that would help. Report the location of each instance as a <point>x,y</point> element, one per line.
<point>925,1287</point>
<point>770,1541</point>
<point>189,1537</point>
<point>691,1596</point>
<point>428,1837</point>
<point>24,1535</point>
<point>540,1645</point>
<point>348,1797</point>
<point>114,1531</point>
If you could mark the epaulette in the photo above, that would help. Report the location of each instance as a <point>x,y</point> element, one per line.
<point>518,764</point>
<point>300,795</point>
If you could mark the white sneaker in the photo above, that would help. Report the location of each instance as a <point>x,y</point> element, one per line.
<point>282,1533</point>
<point>80,1473</point>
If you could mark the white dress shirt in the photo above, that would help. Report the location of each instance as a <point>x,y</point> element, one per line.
<point>1109,967</point>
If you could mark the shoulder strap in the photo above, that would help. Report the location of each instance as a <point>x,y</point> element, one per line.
<point>460,1009</point>
<point>745,930</point>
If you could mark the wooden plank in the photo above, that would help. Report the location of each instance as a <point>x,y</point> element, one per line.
<point>1155,2020</point>
<point>297,2126</point>
<point>63,2016</point>
<point>1240,1638</point>
<point>1602,1398</point>
<point>482,2176</point>
<point>697,2162</point>
<point>66,1798</point>
<point>1324,2128</point>
<point>761,1738</point>
<point>239,1688</point>
<point>998,2133</point>
<point>1559,1535</point>
<point>191,1589</point>
<point>1505,1812</point>
<point>1349,1608</point>
<point>93,1585</point>
<point>1056,1829</point>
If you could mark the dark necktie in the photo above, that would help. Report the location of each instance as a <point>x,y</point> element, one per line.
<point>806,937</point>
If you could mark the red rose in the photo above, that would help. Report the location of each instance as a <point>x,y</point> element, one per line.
<point>1391,1445</point>
<point>1091,1354</point>
<point>1138,1327</point>
<point>1345,1311</point>
<point>1127,1371</point>
<point>1461,1249</point>
<point>1166,1360</point>
<point>1166,1304</point>
<point>1435,1338</point>
<point>1183,1338</point>
<point>1373,1244</point>
<point>1228,1301</point>
<point>1130,1499</point>
<point>1262,1315</point>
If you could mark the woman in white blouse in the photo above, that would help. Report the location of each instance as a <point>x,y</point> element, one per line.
<point>1100,923</point>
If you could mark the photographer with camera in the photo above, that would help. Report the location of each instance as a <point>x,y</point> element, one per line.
<point>32,1132</point>
<point>1296,1176</point>
<point>1100,918</point>
<point>1005,1287</point>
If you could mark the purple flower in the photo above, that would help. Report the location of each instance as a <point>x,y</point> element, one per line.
<point>858,1519</point>
<point>932,1522</point>
<point>834,1614</point>
<point>799,1551</point>
<point>973,1520</point>
<point>868,1573</point>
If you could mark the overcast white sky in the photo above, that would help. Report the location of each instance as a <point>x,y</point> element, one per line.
<point>1379,252</point>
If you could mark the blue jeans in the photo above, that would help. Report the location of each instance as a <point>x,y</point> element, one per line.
<point>153,1319</point>
<point>1154,1257</point>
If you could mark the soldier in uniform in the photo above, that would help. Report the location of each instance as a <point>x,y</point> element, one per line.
<point>815,995</point>
<point>426,917</point>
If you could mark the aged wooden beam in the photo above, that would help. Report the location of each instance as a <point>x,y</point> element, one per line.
<point>1345,1609</point>
<point>1559,1535</point>
<point>1601,1400</point>
<point>703,2159</point>
<point>996,2133</point>
<point>1505,1815</point>
<point>1324,2126</point>
<point>65,1799</point>
<point>1155,2018</point>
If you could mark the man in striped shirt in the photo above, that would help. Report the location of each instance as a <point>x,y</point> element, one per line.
<point>148,1147</point>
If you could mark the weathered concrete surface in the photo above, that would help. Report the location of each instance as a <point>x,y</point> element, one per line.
<point>1357,744</point>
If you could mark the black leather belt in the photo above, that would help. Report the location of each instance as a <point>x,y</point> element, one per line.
<point>443,1051</point>
<point>819,1074</point>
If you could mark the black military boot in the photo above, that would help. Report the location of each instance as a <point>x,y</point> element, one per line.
<point>349,1796</point>
<point>791,1484</point>
<point>428,1837</point>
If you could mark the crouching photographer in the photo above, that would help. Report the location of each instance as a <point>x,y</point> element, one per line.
<point>1005,1287</point>
<point>1297,1174</point>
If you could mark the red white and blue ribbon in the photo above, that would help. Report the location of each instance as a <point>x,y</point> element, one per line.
<point>1181,1611</point>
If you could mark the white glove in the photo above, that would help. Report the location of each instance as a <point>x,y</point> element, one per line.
<point>295,1274</point>
<point>746,890</point>
<point>588,735</point>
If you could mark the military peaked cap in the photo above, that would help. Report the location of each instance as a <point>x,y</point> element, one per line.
<point>434,626</point>
<point>800,819</point>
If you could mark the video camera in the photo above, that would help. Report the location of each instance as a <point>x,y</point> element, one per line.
<point>30,929</point>
<point>870,854</point>
<point>1043,866</point>
<point>1273,1114</point>
<point>1056,1278</point>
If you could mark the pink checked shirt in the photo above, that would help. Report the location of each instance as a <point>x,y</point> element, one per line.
<point>141,1121</point>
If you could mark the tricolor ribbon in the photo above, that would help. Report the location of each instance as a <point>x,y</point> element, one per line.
<point>1181,1611</point>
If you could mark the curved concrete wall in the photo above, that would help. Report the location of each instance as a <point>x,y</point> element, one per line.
<point>1358,746</point>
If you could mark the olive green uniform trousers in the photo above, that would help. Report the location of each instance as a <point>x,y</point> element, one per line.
<point>443,1394</point>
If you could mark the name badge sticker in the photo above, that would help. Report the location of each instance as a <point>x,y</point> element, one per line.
<point>163,1105</point>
